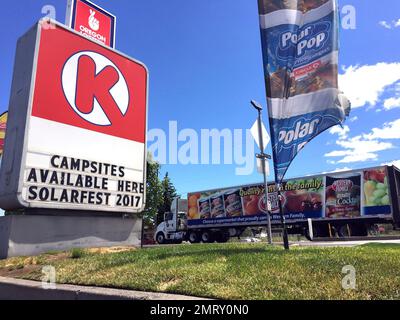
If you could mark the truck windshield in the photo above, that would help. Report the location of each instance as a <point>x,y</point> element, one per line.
<point>182,221</point>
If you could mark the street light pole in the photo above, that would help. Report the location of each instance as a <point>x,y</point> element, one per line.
<point>263,157</point>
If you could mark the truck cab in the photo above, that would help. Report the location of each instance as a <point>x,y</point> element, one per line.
<point>173,228</point>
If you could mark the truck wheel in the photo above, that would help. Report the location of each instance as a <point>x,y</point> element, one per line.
<point>373,230</point>
<point>207,237</point>
<point>222,237</point>
<point>344,231</point>
<point>193,237</point>
<point>359,230</point>
<point>160,238</point>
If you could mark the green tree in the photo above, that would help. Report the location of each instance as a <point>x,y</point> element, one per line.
<point>169,193</point>
<point>154,191</point>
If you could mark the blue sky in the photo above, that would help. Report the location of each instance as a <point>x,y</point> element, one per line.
<point>205,65</point>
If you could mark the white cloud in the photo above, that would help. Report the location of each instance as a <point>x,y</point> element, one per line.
<point>395,163</point>
<point>364,84</point>
<point>391,103</point>
<point>385,24</point>
<point>358,149</point>
<point>390,25</point>
<point>357,145</point>
<point>342,132</point>
<point>337,170</point>
<point>390,130</point>
<point>342,169</point>
<point>353,119</point>
<point>365,147</point>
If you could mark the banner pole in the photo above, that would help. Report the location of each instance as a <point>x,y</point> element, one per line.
<point>283,219</point>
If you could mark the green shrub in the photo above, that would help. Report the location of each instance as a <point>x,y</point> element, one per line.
<point>77,253</point>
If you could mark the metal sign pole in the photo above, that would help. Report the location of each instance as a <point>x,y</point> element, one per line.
<point>263,157</point>
<point>142,234</point>
<point>266,201</point>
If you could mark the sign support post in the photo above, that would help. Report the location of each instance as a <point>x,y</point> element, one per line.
<point>263,157</point>
<point>310,229</point>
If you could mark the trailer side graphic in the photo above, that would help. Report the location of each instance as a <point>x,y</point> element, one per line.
<point>348,203</point>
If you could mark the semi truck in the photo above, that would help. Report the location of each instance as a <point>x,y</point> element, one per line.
<point>341,204</point>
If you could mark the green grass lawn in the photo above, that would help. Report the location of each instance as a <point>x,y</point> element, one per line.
<point>228,271</point>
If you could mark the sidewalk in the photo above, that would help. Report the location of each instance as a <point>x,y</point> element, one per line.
<point>16,289</point>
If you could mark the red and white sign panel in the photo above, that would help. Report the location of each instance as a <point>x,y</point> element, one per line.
<point>85,146</point>
<point>91,21</point>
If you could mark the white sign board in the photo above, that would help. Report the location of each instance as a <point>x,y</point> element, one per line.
<point>265,136</point>
<point>77,126</point>
<point>260,167</point>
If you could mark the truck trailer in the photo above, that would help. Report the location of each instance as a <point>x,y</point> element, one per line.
<point>344,204</point>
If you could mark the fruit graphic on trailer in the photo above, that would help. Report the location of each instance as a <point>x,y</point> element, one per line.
<point>376,190</point>
<point>193,200</point>
<point>193,213</point>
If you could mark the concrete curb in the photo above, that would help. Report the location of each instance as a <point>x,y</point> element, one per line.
<point>17,289</point>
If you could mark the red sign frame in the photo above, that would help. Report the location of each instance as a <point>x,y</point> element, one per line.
<point>59,46</point>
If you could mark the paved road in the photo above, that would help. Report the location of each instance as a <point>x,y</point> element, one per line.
<point>342,243</point>
<point>347,243</point>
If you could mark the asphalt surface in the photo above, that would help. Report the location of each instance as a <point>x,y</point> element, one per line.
<point>341,243</point>
<point>325,243</point>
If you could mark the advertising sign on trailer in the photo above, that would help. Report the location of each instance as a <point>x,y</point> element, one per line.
<point>346,192</point>
<point>343,196</point>
<point>355,194</point>
<point>76,134</point>
<point>376,191</point>
<point>91,21</point>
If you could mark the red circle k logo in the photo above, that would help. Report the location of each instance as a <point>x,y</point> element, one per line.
<point>95,88</point>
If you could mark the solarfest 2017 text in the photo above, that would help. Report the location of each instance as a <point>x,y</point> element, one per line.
<point>86,182</point>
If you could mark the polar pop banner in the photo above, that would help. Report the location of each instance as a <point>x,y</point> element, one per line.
<point>300,53</point>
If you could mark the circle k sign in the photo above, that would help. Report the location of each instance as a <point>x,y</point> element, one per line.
<point>80,126</point>
<point>92,84</point>
<point>84,84</point>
